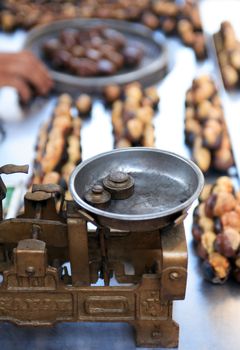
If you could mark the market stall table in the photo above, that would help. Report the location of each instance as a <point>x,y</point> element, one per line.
<point>209,316</point>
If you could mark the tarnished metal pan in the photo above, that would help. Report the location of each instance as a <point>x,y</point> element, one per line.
<point>165,187</point>
<point>151,69</point>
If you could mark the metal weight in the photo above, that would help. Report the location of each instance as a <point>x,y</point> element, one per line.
<point>97,196</point>
<point>119,184</point>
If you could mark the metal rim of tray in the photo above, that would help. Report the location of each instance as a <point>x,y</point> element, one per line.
<point>138,217</point>
<point>148,74</point>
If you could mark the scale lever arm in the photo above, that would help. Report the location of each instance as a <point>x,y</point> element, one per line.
<point>12,169</point>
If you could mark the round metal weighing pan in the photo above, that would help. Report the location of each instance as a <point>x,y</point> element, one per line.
<point>166,185</point>
<point>151,69</point>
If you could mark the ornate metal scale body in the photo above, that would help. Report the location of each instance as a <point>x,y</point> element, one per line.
<point>37,288</point>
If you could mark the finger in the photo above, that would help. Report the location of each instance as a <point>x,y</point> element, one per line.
<point>19,84</point>
<point>30,57</point>
<point>40,76</point>
<point>26,66</point>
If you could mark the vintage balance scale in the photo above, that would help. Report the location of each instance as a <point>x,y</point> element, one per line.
<point>136,199</point>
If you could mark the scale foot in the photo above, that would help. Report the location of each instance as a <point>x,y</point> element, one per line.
<point>157,334</point>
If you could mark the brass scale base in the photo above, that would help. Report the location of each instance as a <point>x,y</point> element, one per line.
<point>37,291</point>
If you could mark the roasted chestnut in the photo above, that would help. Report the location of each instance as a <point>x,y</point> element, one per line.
<point>84,104</point>
<point>112,93</point>
<point>132,55</point>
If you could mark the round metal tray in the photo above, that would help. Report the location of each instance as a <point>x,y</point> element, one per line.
<point>151,69</point>
<point>165,186</point>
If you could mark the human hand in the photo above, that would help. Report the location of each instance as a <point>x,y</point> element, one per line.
<point>23,71</point>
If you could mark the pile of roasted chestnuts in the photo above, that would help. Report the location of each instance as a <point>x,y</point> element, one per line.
<point>228,53</point>
<point>58,149</point>
<point>216,230</point>
<point>172,17</point>
<point>205,128</point>
<point>98,51</point>
<point>132,109</point>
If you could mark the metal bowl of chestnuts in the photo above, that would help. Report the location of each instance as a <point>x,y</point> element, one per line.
<point>91,54</point>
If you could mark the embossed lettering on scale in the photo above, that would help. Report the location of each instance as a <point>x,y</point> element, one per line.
<point>61,306</point>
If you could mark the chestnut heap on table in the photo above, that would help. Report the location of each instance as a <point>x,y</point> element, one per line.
<point>133,109</point>
<point>28,13</point>
<point>172,17</point>
<point>228,53</point>
<point>58,149</point>
<point>99,51</point>
<point>216,230</point>
<point>182,20</point>
<point>205,128</point>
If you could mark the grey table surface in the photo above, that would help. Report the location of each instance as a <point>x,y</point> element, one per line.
<point>209,317</point>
